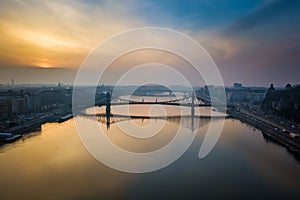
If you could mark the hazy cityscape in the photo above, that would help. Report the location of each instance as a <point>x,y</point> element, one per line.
<point>31,106</point>
<point>149,99</point>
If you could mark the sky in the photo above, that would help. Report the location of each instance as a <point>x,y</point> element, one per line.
<point>254,42</point>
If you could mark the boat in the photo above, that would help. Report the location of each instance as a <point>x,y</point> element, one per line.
<point>65,118</point>
<point>8,137</point>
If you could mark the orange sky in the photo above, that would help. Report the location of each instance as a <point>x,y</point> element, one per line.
<point>243,38</point>
<point>54,33</point>
<point>58,34</point>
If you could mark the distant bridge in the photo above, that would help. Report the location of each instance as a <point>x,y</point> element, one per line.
<point>187,101</point>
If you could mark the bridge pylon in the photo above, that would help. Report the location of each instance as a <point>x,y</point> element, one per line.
<point>193,108</point>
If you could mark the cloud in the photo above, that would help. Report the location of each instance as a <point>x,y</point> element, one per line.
<point>266,15</point>
<point>58,33</point>
<point>242,36</point>
<point>261,46</point>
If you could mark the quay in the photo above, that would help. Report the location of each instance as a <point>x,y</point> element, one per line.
<point>36,123</point>
<point>279,130</point>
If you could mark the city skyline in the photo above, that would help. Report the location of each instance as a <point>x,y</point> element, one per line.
<point>243,38</point>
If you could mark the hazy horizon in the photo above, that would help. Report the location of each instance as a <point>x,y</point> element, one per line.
<point>40,76</point>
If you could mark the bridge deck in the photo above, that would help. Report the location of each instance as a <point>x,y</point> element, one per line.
<point>165,103</point>
<point>159,103</point>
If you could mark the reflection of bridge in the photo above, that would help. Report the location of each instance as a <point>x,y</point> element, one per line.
<point>114,118</point>
<point>185,121</point>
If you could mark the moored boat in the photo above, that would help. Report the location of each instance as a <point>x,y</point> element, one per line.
<point>8,137</point>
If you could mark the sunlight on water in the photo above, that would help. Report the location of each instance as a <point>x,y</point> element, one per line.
<point>53,164</point>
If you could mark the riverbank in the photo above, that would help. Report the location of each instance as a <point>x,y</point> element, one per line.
<point>271,128</point>
<point>31,125</point>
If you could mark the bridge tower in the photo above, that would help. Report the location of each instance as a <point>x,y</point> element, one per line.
<point>193,109</point>
<point>193,104</point>
<point>108,105</point>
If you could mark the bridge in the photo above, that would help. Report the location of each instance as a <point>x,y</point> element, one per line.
<point>187,101</point>
<point>176,102</point>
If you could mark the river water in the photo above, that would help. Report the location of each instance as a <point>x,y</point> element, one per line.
<point>53,164</point>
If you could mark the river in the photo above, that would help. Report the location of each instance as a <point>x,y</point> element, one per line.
<point>53,164</point>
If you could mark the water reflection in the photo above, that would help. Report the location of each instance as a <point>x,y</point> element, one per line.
<point>139,137</point>
<point>188,117</point>
<point>25,138</point>
<point>53,164</point>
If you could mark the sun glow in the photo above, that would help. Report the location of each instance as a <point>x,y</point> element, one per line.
<point>44,65</point>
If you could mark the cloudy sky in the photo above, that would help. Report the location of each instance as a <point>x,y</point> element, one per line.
<point>254,42</point>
